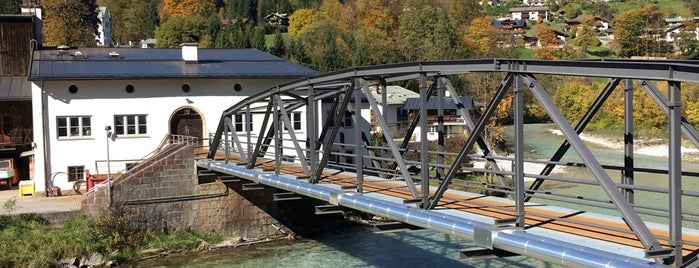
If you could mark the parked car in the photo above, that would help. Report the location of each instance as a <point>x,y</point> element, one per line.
<point>8,175</point>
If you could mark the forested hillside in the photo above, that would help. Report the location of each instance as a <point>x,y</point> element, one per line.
<point>328,35</point>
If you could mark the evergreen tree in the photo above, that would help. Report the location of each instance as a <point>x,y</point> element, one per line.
<point>151,20</point>
<point>329,59</point>
<point>278,48</point>
<point>223,38</point>
<point>240,38</point>
<point>10,7</point>
<point>297,52</point>
<point>257,40</point>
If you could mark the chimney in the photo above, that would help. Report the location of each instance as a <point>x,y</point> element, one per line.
<point>189,52</point>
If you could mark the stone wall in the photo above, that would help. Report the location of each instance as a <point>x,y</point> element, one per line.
<point>163,193</point>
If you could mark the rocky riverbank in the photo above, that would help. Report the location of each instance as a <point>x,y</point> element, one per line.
<point>650,147</point>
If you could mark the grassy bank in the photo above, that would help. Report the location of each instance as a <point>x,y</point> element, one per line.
<point>30,241</point>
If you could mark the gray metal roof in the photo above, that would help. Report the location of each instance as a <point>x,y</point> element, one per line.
<point>414,103</point>
<point>15,87</point>
<point>156,63</point>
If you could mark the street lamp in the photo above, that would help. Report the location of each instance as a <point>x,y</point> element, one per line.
<point>108,129</point>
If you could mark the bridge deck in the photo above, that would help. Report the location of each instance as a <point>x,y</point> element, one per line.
<point>580,223</point>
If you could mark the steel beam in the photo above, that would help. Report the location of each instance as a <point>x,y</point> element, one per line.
<point>356,120</point>
<point>440,127</point>
<point>689,131</point>
<point>311,131</point>
<point>290,129</point>
<point>563,149</point>
<point>424,143</point>
<point>327,145</point>
<point>389,140</point>
<point>675,176</point>
<point>482,145</point>
<point>518,176</point>
<point>627,175</point>
<point>630,216</point>
<point>261,138</point>
<point>480,126</point>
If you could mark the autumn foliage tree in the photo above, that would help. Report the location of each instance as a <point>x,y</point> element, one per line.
<point>70,22</point>
<point>548,43</point>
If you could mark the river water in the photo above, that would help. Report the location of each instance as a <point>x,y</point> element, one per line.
<point>359,247</point>
<point>352,247</point>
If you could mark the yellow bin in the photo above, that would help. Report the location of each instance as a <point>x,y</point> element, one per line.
<point>26,187</point>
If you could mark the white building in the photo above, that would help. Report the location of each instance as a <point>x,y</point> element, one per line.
<point>530,13</point>
<point>104,28</point>
<point>142,95</point>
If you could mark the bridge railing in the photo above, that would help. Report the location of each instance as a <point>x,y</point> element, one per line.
<point>318,122</point>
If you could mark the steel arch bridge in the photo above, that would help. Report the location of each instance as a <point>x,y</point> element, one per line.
<point>331,105</point>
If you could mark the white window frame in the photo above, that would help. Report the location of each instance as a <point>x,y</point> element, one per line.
<point>139,121</point>
<point>240,124</point>
<point>296,120</point>
<point>79,129</point>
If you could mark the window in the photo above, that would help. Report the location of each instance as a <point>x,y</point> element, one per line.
<point>348,119</point>
<point>296,120</point>
<point>239,123</point>
<point>130,124</point>
<point>76,173</point>
<point>73,126</point>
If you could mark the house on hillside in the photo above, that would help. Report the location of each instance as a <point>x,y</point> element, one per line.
<point>103,109</point>
<point>510,31</point>
<point>573,24</point>
<point>535,13</point>
<point>104,28</point>
<point>454,122</point>
<point>277,19</point>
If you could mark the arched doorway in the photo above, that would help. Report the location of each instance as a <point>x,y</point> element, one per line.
<point>187,122</point>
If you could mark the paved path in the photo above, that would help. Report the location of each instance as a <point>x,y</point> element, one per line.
<point>38,204</point>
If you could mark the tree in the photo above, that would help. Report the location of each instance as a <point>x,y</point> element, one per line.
<point>178,30</point>
<point>297,52</point>
<point>179,8</point>
<point>548,43</point>
<point>301,21</point>
<point>240,38</point>
<point>223,38</point>
<point>693,6</point>
<point>330,58</point>
<point>425,34</point>
<point>278,48</point>
<point>481,37</point>
<point>70,22</point>
<point>687,45</point>
<point>151,20</point>
<point>10,7</point>
<point>585,36</point>
<point>636,32</point>
<point>258,38</point>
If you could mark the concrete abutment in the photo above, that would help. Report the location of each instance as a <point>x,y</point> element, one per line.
<point>163,193</point>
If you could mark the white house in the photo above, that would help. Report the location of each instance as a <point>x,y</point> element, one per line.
<point>141,96</point>
<point>104,28</point>
<point>530,13</point>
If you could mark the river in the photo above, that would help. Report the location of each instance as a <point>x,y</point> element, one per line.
<point>359,247</point>
<point>351,247</point>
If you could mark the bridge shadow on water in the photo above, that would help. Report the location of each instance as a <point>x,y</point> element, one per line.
<point>417,248</point>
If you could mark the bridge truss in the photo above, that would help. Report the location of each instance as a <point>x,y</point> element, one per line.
<point>332,101</point>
